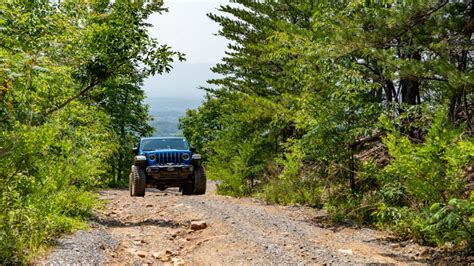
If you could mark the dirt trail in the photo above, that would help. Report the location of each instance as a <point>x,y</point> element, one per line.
<point>156,230</point>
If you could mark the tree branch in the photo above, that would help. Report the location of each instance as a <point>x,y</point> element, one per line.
<point>421,18</point>
<point>79,94</point>
<point>432,78</point>
<point>368,139</point>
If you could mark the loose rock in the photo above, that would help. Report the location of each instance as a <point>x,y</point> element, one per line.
<point>198,225</point>
<point>142,253</point>
<point>346,251</point>
<point>177,261</point>
<point>156,255</point>
<point>165,258</point>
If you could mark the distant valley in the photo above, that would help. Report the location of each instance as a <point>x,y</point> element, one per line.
<point>166,113</point>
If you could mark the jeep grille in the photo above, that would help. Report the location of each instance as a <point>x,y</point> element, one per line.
<point>169,157</point>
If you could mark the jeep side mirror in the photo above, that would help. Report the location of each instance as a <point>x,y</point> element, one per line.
<point>193,150</point>
<point>135,150</point>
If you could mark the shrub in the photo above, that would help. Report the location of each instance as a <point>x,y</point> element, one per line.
<point>423,188</point>
<point>296,184</point>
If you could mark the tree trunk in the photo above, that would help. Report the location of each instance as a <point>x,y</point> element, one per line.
<point>411,86</point>
<point>389,88</point>
<point>459,108</point>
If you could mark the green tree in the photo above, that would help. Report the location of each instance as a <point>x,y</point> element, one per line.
<point>341,105</point>
<point>70,103</point>
<point>129,120</point>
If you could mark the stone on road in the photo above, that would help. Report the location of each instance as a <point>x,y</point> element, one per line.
<point>197,225</point>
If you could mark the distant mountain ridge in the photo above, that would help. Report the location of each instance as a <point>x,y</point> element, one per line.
<point>182,82</point>
<point>166,113</point>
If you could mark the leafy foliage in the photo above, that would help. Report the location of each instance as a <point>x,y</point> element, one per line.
<point>70,109</point>
<point>364,108</point>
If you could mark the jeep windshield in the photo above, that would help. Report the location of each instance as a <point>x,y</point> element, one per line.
<point>163,144</point>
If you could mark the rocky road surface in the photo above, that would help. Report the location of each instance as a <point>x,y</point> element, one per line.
<point>168,228</point>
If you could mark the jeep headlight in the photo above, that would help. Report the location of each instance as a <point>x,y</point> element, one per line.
<point>185,156</point>
<point>140,158</point>
<point>152,157</point>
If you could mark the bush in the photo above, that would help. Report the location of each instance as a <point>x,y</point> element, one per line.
<point>295,184</point>
<point>47,176</point>
<point>238,166</point>
<point>452,222</point>
<point>423,191</point>
<point>420,194</point>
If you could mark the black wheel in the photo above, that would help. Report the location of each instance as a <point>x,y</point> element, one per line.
<point>137,182</point>
<point>199,181</point>
<point>187,189</point>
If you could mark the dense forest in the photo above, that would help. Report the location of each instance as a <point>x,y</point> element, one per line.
<point>71,107</point>
<point>363,108</point>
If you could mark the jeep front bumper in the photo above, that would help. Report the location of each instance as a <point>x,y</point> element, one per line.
<point>166,171</point>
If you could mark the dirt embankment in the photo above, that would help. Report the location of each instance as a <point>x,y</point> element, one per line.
<point>156,230</point>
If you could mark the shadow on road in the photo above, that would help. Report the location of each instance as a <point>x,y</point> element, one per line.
<point>116,223</point>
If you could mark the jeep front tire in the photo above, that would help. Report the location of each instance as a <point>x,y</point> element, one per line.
<point>199,181</point>
<point>137,182</point>
<point>187,189</point>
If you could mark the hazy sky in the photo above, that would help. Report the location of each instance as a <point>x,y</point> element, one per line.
<point>187,29</point>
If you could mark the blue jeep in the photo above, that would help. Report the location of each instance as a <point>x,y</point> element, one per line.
<point>166,162</point>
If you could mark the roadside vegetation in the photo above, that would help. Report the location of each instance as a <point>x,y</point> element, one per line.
<point>70,109</point>
<point>362,108</point>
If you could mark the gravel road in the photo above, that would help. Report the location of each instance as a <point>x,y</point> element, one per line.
<point>156,230</point>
